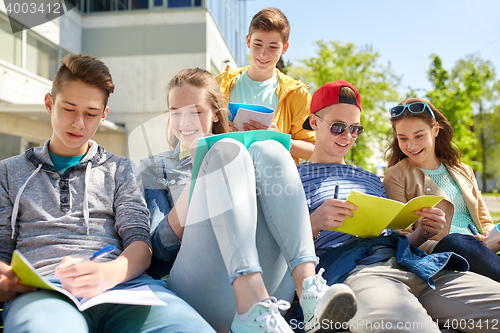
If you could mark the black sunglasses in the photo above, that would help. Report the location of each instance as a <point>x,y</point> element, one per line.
<point>339,127</point>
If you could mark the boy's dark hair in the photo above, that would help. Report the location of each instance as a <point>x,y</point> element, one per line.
<point>270,19</point>
<point>444,148</point>
<point>85,68</point>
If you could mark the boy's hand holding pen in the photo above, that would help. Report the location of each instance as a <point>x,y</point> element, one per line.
<point>97,255</point>
<point>332,213</point>
<point>76,261</point>
<point>83,278</point>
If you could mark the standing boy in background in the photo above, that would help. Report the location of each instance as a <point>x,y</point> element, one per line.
<point>397,286</point>
<point>68,199</point>
<point>263,84</point>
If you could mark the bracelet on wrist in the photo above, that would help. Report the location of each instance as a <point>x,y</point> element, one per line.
<point>317,236</point>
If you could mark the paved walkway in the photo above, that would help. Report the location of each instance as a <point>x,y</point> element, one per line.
<point>493,203</point>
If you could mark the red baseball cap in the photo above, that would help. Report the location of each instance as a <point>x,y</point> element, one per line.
<point>328,94</point>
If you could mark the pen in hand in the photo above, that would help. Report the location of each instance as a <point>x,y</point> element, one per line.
<point>336,193</point>
<point>471,229</point>
<point>98,254</point>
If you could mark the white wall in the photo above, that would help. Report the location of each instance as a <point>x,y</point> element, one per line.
<point>217,50</point>
<point>140,80</point>
<point>142,18</point>
<point>25,127</point>
<point>65,31</point>
<point>71,31</point>
<point>150,138</point>
<point>41,131</point>
<point>140,83</point>
<point>19,86</point>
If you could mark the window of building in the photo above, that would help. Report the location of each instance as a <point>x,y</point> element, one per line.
<point>179,3</point>
<point>229,16</point>
<point>100,5</point>
<point>42,57</point>
<point>11,50</point>
<point>183,3</point>
<point>27,143</point>
<point>11,145</point>
<point>140,4</point>
<point>230,19</point>
<point>120,4</point>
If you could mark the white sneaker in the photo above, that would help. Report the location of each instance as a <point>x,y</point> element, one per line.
<point>264,317</point>
<point>336,303</point>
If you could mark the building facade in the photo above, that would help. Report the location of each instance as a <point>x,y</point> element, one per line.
<point>143,42</point>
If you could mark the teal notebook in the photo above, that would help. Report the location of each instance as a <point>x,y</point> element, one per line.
<point>246,138</point>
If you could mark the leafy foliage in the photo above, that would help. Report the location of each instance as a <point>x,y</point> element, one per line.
<point>449,95</point>
<point>375,82</point>
<point>468,95</point>
<point>469,98</point>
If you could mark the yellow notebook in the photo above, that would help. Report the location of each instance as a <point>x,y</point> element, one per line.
<point>374,214</point>
<point>27,275</point>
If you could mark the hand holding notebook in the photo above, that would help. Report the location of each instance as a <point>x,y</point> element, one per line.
<point>244,113</point>
<point>28,276</point>
<point>374,214</point>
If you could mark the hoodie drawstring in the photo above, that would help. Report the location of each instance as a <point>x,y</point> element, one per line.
<point>15,209</point>
<point>85,201</point>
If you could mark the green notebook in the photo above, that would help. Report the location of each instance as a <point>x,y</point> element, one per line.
<point>374,214</point>
<point>246,138</point>
<point>28,276</point>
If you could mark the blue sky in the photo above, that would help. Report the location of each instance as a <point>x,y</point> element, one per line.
<point>404,32</point>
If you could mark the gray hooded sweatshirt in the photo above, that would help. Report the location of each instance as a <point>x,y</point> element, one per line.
<point>48,214</point>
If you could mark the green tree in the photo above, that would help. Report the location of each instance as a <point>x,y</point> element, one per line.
<point>468,98</point>
<point>478,79</point>
<point>491,146</point>
<point>449,95</point>
<point>376,83</point>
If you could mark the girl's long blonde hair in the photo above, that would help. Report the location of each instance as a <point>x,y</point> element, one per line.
<point>204,80</point>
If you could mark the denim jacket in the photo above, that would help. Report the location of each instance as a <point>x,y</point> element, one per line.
<point>164,177</point>
<point>343,257</point>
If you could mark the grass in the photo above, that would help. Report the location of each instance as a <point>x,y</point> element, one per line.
<point>495,216</point>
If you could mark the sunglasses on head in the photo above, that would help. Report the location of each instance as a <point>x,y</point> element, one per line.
<point>339,127</point>
<point>417,107</point>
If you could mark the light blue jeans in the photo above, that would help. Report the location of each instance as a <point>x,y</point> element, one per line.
<point>49,311</point>
<point>248,213</point>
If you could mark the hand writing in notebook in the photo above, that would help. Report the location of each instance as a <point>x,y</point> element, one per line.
<point>85,278</point>
<point>332,213</point>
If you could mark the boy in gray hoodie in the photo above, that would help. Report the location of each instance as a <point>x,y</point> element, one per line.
<point>68,199</point>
